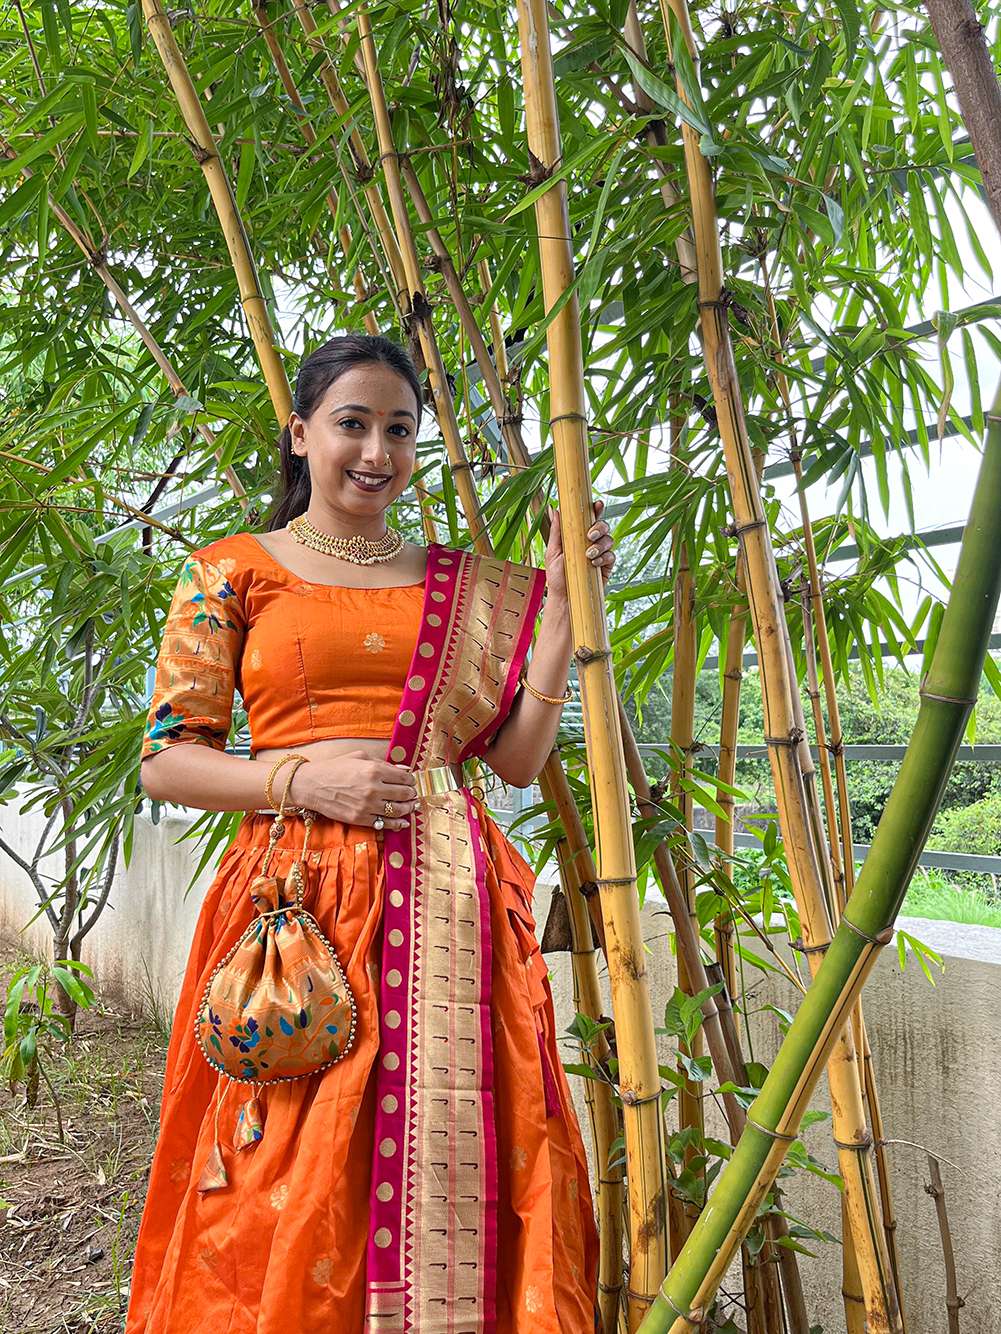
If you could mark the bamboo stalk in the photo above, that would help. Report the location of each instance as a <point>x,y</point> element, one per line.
<point>792,766</point>
<point>841,830</point>
<point>638,1072</point>
<point>363,168</point>
<point>947,696</point>
<point>203,146</point>
<point>764,1303</point>
<point>682,739</point>
<point>733,674</point>
<point>267,27</point>
<point>577,870</point>
<point>726,770</point>
<point>953,1302</point>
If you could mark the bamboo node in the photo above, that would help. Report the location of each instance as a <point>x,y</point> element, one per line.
<point>794,738</point>
<point>739,529</point>
<point>633,1101</point>
<point>585,654</point>
<point>772,1134</point>
<point>945,699</point>
<point>201,155</point>
<point>798,944</point>
<point>614,880</point>
<point>568,416</point>
<point>695,1317</point>
<point>862,1145</point>
<point>880,938</point>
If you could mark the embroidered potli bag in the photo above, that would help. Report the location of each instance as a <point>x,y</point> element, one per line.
<point>277,1006</point>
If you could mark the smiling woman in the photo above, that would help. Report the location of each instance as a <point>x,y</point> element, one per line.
<point>435,1162</point>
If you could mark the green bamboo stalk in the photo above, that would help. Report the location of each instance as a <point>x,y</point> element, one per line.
<point>948,693</point>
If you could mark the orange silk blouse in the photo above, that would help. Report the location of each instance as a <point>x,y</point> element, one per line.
<point>309,660</point>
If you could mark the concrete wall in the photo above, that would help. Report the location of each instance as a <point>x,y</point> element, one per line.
<point>937,1052</point>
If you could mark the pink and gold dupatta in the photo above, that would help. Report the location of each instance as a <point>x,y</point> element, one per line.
<point>432,1246</point>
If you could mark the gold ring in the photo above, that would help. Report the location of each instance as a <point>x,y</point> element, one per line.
<point>390,810</point>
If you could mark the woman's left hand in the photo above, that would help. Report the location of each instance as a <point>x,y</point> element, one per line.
<point>599,552</point>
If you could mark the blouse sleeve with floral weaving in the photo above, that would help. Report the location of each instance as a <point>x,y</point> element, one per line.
<point>198,661</point>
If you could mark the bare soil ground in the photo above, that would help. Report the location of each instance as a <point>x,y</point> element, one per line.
<point>69,1212</point>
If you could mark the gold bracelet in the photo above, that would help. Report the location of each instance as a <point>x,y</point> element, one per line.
<point>271,776</point>
<point>300,759</point>
<point>547,699</point>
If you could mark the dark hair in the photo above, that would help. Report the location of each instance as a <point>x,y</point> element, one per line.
<point>316,374</point>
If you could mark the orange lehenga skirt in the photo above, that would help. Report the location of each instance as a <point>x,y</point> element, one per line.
<point>282,1249</point>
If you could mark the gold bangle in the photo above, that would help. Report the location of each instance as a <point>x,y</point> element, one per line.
<point>300,759</point>
<point>547,699</point>
<point>271,777</point>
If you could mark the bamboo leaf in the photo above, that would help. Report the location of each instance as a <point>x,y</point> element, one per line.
<point>144,145</point>
<point>57,135</point>
<point>664,96</point>
<point>89,96</point>
<point>246,173</point>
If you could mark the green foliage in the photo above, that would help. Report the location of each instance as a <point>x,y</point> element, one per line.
<point>41,998</point>
<point>975,828</point>
<point>935,895</point>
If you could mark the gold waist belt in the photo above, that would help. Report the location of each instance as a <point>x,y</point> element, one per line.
<point>440,778</point>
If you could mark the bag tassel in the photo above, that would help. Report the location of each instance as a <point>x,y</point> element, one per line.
<point>214,1176</point>
<point>250,1123</point>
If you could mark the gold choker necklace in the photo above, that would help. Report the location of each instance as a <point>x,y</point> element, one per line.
<point>357,549</point>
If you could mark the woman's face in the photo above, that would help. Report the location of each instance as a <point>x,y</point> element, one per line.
<point>366,423</point>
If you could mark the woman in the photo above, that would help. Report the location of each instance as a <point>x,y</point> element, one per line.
<point>434,1178</point>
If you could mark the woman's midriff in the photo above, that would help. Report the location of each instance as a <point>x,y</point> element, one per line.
<point>374,747</point>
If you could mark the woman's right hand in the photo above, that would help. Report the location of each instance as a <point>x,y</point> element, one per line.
<point>354,787</point>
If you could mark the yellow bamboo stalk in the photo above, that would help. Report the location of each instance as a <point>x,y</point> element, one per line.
<point>414,298</point>
<point>204,148</point>
<point>638,1073</point>
<point>577,869</point>
<point>655,136</point>
<point>726,769</point>
<point>682,739</point>
<point>370,190</point>
<point>798,810</point>
<point>763,1307</point>
<point>305,127</point>
<point>496,329</point>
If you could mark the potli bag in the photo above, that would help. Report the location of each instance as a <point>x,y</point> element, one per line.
<point>277,1007</point>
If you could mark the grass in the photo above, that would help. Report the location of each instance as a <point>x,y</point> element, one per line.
<point>931,895</point>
